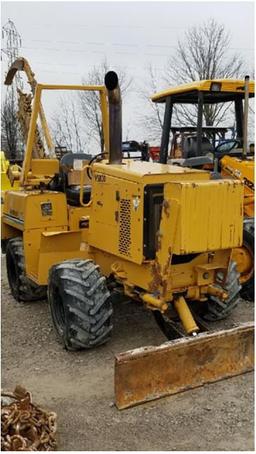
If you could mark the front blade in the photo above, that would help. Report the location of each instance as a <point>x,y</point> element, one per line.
<point>149,373</point>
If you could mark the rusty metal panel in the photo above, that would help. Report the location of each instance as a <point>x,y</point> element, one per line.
<point>149,373</point>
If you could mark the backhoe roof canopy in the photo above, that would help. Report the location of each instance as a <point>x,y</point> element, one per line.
<point>214,91</point>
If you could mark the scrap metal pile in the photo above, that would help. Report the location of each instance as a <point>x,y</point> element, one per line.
<point>24,425</point>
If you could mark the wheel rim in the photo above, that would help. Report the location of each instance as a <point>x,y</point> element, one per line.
<point>243,257</point>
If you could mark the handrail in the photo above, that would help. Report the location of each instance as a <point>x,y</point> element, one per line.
<point>81,192</point>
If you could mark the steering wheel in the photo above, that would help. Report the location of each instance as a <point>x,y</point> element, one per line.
<point>225,147</point>
<point>98,157</point>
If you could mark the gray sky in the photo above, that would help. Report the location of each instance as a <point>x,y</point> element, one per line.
<point>63,40</point>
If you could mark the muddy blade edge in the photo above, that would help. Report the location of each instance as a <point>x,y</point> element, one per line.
<point>148,373</point>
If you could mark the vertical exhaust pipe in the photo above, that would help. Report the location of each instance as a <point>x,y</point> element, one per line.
<point>115,117</point>
<point>246,110</point>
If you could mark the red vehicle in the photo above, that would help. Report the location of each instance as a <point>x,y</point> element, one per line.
<point>154,153</point>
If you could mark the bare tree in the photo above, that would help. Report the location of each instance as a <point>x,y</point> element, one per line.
<point>152,118</point>
<point>10,125</point>
<point>77,121</point>
<point>90,102</point>
<point>66,125</point>
<point>203,54</point>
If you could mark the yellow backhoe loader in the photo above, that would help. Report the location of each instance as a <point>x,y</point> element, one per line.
<point>161,234</point>
<point>195,146</point>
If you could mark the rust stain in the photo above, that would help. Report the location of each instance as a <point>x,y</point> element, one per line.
<point>156,282</point>
<point>158,241</point>
<point>149,373</point>
<point>166,207</point>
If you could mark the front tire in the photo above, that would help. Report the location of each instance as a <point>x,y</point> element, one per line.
<point>22,288</point>
<point>80,304</point>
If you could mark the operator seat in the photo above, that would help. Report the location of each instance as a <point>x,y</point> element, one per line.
<point>71,178</point>
<point>190,147</point>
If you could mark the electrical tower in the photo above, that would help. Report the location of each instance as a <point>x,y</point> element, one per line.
<point>12,39</point>
<point>11,44</point>
<point>10,134</point>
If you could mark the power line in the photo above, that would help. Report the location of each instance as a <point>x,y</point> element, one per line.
<point>160,46</point>
<point>112,26</point>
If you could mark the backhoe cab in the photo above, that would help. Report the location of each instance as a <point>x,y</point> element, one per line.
<point>205,94</point>
<point>161,234</point>
<point>208,147</point>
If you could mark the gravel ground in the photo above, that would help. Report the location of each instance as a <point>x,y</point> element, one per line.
<point>79,387</point>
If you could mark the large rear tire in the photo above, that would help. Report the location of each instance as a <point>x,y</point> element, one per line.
<point>213,310</point>
<point>216,309</point>
<point>247,290</point>
<point>22,288</point>
<point>80,304</point>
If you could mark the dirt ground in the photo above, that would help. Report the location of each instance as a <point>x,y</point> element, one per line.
<point>79,387</point>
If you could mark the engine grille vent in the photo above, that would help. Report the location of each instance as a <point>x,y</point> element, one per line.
<point>125,227</point>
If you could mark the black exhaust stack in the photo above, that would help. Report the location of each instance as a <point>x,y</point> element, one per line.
<point>115,118</point>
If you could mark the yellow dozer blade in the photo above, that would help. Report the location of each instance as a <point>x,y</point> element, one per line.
<point>149,373</point>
